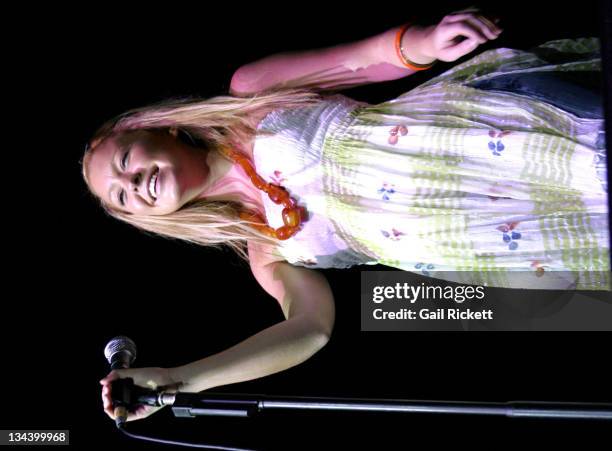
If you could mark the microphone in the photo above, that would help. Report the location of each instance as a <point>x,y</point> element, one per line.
<point>120,352</point>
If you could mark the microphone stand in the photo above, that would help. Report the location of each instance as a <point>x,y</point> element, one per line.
<point>190,405</point>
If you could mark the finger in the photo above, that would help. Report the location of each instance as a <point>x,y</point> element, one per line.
<point>482,28</point>
<point>105,400</point>
<point>107,389</point>
<point>468,10</point>
<point>107,403</point>
<point>458,17</point>
<point>477,25</point>
<point>106,395</point>
<point>489,27</point>
<point>466,47</point>
<point>463,29</point>
<point>141,411</point>
<point>459,50</point>
<point>110,412</point>
<point>478,20</point>
<point>110,377</point>
<point>471,12</point>
<point>138,414</point>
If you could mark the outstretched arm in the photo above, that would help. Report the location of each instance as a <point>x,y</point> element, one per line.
<point>307,302</point>
<point>370,60</point>
<point>269,351</point>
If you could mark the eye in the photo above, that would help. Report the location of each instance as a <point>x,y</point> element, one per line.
<point>122,197</point>
<point>124,160</point>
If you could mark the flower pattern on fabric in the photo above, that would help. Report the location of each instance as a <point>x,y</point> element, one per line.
<point>394,235</point>
<point>277,177</point>
<point>393,133</point>
<point>498,147</point>
<point>424,267</point>
<point>443,172</point>
<point>509,234</point>
<point>538,268</point>
<point>386,190</point>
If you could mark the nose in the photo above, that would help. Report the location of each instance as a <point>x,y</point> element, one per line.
<point>131,181</point>
<point>135,181</point>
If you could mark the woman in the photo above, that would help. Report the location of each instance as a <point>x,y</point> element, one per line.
<point>479,171</point>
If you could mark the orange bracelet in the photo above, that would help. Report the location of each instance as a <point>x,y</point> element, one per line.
<point>400,51</point>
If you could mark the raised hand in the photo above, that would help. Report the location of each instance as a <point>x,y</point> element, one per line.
<point>458,34</point>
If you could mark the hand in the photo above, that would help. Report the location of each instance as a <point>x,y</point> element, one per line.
<point>444,41</point>
<point>151,378</point>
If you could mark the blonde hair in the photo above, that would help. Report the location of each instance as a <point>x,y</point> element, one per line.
<point>222,121</point>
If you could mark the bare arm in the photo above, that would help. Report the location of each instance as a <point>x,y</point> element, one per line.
<point>274,349</point>
<point>370,60</point>
<point>307,302</point>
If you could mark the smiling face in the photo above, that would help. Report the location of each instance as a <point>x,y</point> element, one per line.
<point>147,172</point>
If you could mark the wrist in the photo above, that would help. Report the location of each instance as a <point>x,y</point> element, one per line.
<point>183,376</point>
<point>415,46</point>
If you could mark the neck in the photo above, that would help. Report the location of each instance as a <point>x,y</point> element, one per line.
<point>229,182</point>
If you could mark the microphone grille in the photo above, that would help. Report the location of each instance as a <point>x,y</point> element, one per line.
<point>119,344</point>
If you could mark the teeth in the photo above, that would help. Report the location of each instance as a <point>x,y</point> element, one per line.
<point>152,184</point>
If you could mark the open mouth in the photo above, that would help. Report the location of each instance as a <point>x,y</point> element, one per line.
<point>153,184</point>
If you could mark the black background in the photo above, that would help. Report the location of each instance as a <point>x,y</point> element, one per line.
<point>78,277</point>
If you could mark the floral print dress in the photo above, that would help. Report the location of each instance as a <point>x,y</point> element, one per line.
<point>448,180</point>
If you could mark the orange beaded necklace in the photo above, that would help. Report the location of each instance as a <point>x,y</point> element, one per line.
<point>293,215</point>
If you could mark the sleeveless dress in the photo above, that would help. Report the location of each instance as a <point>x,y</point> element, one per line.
<point>474,176</point>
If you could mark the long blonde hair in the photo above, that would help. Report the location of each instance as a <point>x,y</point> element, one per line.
<point>222,121</point>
